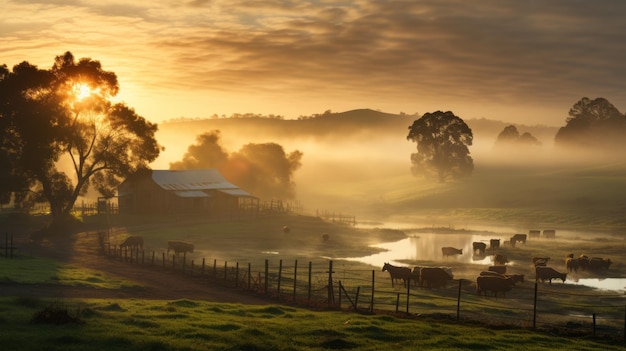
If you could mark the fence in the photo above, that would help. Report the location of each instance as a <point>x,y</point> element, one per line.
<point>330,286</point>
<point>9,248</point>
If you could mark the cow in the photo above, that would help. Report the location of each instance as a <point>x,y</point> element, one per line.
<point>134,242</point>
<point>500,259</point>
<point>396,273</point>
<point>480,247</point>
<point>286,229</point>
<point>497,269</point>
<point>493,284</point>
<point>516,278</point>
<point>548,273</point>
<point>451,251</point>
<point>494,244</point>
<point>518,238</point>
<point>434,277</point>
<point>540,261</point>
<point>534,233</point>
<point>178,247</point>
<point>325,237</point>
<point>572,263</point>
<point>583,261</point>
<point>596,263</point>
<point>549,234</point>
<point>415,275</point>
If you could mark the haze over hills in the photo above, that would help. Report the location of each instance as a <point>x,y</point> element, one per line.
<point>358,162</point>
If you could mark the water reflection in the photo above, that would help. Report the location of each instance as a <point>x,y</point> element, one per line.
<point>616,284</point>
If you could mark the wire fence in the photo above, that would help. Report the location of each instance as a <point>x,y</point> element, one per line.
<point>528,305</point>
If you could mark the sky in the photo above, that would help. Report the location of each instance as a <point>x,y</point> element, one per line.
<point>519,61</point>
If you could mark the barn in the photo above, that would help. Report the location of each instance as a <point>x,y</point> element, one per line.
<point>197,191</point>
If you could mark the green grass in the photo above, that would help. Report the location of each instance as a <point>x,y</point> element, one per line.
<point>200,325</point>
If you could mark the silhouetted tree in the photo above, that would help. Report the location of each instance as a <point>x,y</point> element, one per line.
<point>442,146</point>
<point>511,137</point>
<point>593,124</point>
<point>66,113</point>
<point>264,170</point>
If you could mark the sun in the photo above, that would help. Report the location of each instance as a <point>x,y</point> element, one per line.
<point>82,91</point>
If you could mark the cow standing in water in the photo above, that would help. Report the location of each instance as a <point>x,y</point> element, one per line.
<point>451,251</point>
<point>134,242</point>
<point>179,246</point>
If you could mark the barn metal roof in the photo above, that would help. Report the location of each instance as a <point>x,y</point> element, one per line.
<point>192,193</point>
<point>194,179</point>
<point>236,192</point>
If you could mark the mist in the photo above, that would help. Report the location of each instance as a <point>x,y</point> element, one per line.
<point>363,169</point>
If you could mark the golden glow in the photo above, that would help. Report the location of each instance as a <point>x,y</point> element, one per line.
<point>82,91</point>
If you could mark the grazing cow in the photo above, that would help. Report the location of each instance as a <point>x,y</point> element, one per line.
<point>178,247</point>
<point>286,229</point>
<point>497,269</point>
<point>434,277</point>
<point>518,238</point>
<point>572,263</point>
<point>534,233</point>
<point>596,263</point>
<point>134,242</point>
<point>415,275</point>
<point>548,273</point>
<point>540,261</point>
<point>549,234</point>
<point>494,244</point>
<point>325,237</point>
<point>493,284</point>
<point>396,273</point>
<point>583,261</point>
<point>500,259</point>
<point>451,251</point>
<point>516,278</point>
<point>480,247</point>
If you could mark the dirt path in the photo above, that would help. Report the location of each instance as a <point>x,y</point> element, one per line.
<point>150,282</point>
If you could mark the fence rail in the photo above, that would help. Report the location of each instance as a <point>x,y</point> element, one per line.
<point>366,291</point>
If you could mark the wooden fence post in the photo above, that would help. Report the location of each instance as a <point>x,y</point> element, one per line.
<point>331,294</point>
<point>280,275</point>
<point>408,293</point>
<point>308,301</point>
<point>163,259</point>
<point>295,280</point>
<point>266,286</point>
<point>249,275</point>
<point>458,302</point>
<point>225,270</point>
<point>397,302</point>
<point>191,269</point>
<point>372,301</point>
<point>535,308</point>
<point>237,274</point>
<point>215,269</point>
<point>203,262</point>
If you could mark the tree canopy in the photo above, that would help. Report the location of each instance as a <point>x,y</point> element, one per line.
<point>510,136</point>
<point>593,124</point>
<point>442,146</point>
<point>61,134</point>
<point>265,170</point>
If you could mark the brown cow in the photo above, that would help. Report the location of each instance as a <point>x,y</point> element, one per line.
<point>451,251</point>
<point>415,275</point>
<point>433,277</point>
<point>549,233</point>
<point>480,247</point>
<point>500,259</point>
<point>572,263</point>
<point>497,269</point>
<point>493,284</point>
<point>596,263</point>
<point>540,261</point>
<point>179,246</point>
<point>516,278</point>
<point>548,273</point>
<point>134,242</point>
<point>396,273</point>
<point>518,238</point>
<point>494,244</point>
<point>533,233</point>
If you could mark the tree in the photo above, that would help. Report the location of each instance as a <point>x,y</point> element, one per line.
<point>64,115</point>
<point>442,146</point>
<point>264,170</point>
<point>592,124</point>
<point>511,137</point>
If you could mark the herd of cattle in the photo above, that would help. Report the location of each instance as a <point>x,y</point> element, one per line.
<point>495,279</point>
<point>136,243</point>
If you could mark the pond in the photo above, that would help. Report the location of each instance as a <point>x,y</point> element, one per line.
<point>423,246</point>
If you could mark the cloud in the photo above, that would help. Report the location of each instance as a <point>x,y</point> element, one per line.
<point>392,53</point>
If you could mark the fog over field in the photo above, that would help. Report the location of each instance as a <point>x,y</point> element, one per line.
<point>358,163</point>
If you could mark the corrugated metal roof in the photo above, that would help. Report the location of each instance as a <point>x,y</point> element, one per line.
<point>192,193</point>
<point>194,179</point>
<point>236,192</point>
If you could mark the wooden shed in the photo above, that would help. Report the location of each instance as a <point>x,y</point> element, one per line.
<point>197,191</point>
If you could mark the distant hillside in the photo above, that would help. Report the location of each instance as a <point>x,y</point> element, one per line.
<point>365,122</point>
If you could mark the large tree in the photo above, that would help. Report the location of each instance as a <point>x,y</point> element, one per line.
<point>61,134</point>
<point>265,170</point>
<point>593,124</point>
<point>510,137</point>
<point>442,146</point>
